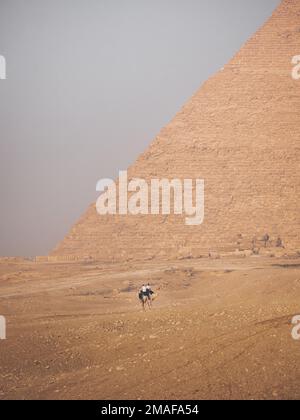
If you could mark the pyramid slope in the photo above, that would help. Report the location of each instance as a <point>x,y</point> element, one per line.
<point>240,133</point>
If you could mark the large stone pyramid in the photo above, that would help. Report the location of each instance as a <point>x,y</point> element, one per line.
<point>241,134</point>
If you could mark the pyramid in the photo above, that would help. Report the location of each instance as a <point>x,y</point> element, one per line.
<point>241,134</point>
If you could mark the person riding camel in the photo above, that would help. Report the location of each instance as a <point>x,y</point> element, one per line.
<point>149,291</point>
<point>143,292</point>
<point>146,296</point>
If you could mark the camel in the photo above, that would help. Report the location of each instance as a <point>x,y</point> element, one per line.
<point>147,301</point>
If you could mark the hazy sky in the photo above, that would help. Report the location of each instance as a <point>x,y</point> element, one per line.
<point>89,85</point>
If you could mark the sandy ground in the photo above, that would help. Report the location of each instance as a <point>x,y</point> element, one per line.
<point>219,329</point>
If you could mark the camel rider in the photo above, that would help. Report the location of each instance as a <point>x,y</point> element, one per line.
<point>143,292</point>
<point>149,291</point>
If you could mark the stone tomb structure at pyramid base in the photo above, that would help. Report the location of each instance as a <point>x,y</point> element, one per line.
<point>241,134</point>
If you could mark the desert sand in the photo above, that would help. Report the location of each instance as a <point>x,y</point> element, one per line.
<point>219,329</point>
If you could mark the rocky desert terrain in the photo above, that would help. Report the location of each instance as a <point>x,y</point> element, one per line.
<point>219,329</point>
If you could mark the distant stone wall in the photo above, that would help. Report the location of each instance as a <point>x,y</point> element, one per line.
<point>13,260</point>
<point>61,259</point>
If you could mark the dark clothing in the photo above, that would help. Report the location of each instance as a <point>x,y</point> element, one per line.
<point>150,292</point>
<point>142,294</point>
